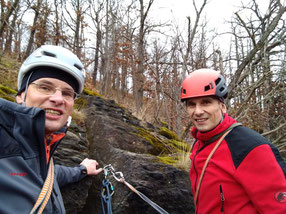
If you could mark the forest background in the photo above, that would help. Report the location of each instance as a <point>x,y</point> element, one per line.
<point>140,61</point>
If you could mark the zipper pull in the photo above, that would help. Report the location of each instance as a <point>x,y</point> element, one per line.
<point>222,199</point>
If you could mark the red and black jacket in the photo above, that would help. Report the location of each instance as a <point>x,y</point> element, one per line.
<point>246,174</point>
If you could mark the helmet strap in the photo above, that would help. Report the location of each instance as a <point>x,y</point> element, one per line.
<point>26,88</point>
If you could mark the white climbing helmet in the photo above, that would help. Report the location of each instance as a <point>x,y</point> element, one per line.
<point>57,57</point>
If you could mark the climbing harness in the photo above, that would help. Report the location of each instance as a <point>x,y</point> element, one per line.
<point>107,190</point>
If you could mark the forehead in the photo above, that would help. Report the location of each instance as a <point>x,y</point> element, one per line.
<point>202,99</point>
<point>54,82</point>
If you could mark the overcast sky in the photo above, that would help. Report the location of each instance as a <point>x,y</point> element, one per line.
<point>216,12</point>
<point>178,10</point>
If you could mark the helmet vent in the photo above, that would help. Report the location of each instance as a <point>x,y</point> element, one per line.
<point>78,67</point>
<point>217,81</point>
<point>207,87</point>
<point>184,91</point>
<point>46,53</point>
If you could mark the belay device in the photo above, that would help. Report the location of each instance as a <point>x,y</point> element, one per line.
<point>107,191</point>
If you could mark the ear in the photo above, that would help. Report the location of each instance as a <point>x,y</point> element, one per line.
<point>223,107</point>
<point>20,98</point>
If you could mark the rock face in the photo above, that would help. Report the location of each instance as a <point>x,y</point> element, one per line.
<point>111,137</point>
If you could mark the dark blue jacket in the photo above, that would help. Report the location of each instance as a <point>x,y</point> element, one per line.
<point>23,167</point>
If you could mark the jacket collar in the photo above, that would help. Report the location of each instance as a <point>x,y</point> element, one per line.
<point>205,136</point>
<point>27,126</point>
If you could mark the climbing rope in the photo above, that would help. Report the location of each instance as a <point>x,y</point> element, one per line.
<point>108,190</point>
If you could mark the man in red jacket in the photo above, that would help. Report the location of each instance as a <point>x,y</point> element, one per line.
<point>234,169</point>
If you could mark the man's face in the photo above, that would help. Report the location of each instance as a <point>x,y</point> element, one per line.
<point>57,108</point>
<point>205,112</point>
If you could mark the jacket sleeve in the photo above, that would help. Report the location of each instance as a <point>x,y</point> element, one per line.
<point>66,175</point>
<point>263,178</point>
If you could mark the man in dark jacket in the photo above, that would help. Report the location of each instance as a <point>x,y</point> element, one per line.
<point>48,82</point>
<point>234,169</point>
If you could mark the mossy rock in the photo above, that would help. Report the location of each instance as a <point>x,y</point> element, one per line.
<point>158,145</point>
<point>7,90</point>
<point>7,97</point>
<point>168,133</point>
<point>80,103</point>
<point>7,93</point>
<point>91,93</point>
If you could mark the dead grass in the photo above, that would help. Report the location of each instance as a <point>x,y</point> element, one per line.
<point>184,161</point>
<point>78,117</point>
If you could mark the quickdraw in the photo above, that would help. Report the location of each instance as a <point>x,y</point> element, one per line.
<point>107,191</point>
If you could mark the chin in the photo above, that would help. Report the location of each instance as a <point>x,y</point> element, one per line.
<point>53,127</point>
<point>203,129</point>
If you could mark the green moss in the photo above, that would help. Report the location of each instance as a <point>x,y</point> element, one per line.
<point>9,98</point>
<point>165,124</point>
<point>168,133</point>
<point>90,92</point>
<point>80,103</point>
<point>181,146</point>
<point>167,160</point>
<point>7,90</point>
<point>7,93</point>
<point>158,145</point>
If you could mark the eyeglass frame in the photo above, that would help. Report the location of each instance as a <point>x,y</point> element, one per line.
<point>54,90</point>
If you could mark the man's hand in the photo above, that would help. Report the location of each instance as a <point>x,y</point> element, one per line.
<point>91,166</point>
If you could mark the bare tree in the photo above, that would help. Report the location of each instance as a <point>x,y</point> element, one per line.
<point>7,16</point>
<point>192,31</point>
<point>11,30</point>
<point>37,8</point>
<point>95,13</point>
<point>257,82</point>
<point>138,77</point>
<point>75,11</point>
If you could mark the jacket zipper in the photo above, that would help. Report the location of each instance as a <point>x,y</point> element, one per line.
<point>222,199</point>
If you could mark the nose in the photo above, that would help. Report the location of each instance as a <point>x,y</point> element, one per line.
<point>57,97</point>
<point>198,110</point>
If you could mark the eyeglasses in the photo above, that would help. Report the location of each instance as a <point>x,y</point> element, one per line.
<point>43,88</point>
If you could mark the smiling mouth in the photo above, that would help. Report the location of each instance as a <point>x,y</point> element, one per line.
<point>53,112</point>
<point>201,120</point>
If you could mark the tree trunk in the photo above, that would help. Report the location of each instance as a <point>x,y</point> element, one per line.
<point>33,28</point>
<point>7,16</point>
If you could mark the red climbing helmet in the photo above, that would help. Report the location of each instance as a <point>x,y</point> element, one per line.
<point>204,82</point>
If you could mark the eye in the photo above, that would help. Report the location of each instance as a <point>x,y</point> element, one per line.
<point>45,88</point>
<point>68,93</point>
<point>190,104</point>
